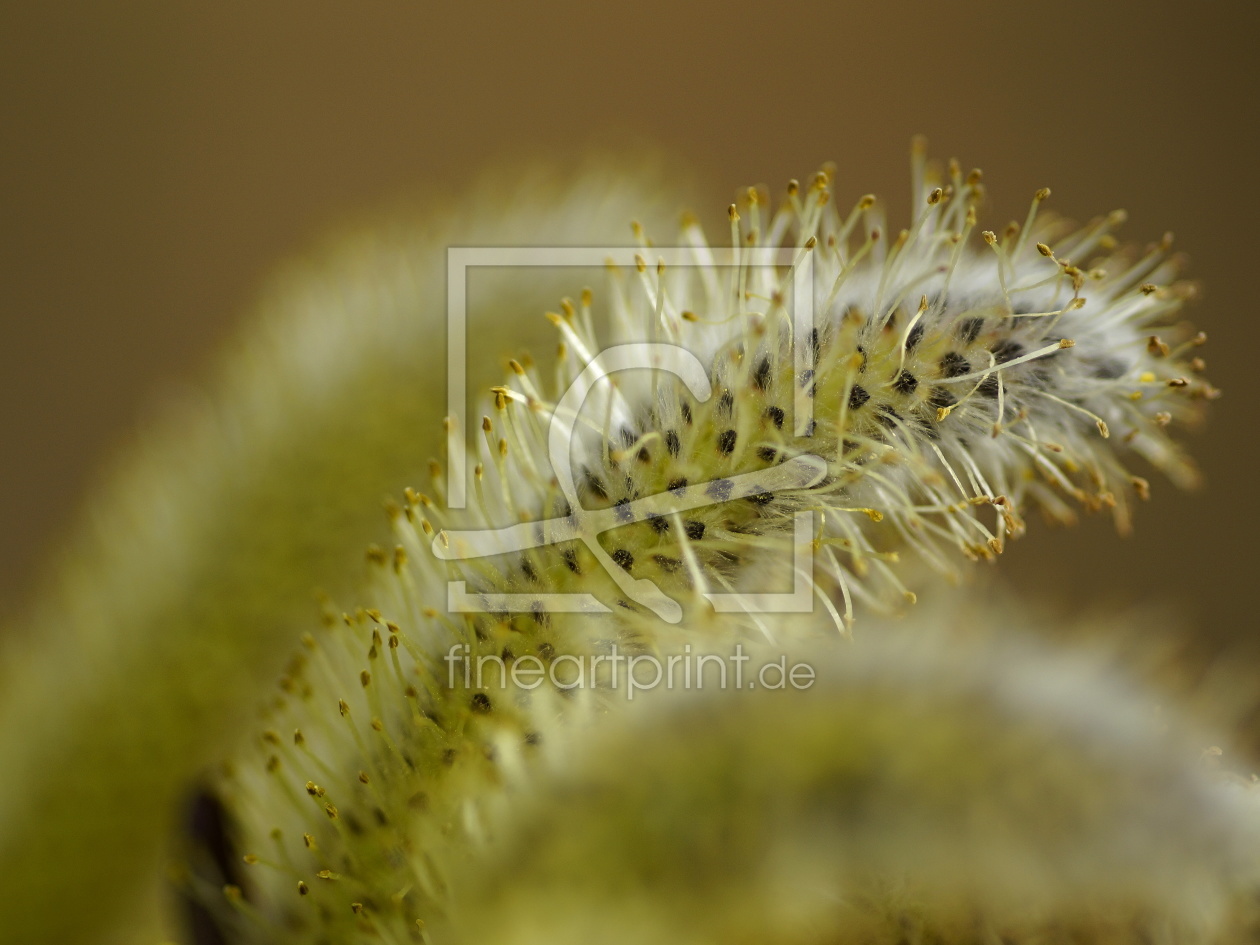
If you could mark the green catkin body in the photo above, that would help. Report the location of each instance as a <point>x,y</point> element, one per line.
<point>951,388</point>
<point>936,787</point>
<point>192,572</point>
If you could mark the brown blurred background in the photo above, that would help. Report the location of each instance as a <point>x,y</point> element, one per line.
<point>159,159</point>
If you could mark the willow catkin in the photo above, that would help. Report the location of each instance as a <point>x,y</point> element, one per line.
<point>948,385</point>
<point>195,567</point>
<point>922,790</point>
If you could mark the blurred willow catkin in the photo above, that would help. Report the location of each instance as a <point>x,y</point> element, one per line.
<point>198,557</point>
<point>949,781</point>
<point>948,384</point>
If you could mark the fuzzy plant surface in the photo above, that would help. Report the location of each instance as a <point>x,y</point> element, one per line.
<point>949,780</point>
<point>196,563</point>
<point>694,457</point>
